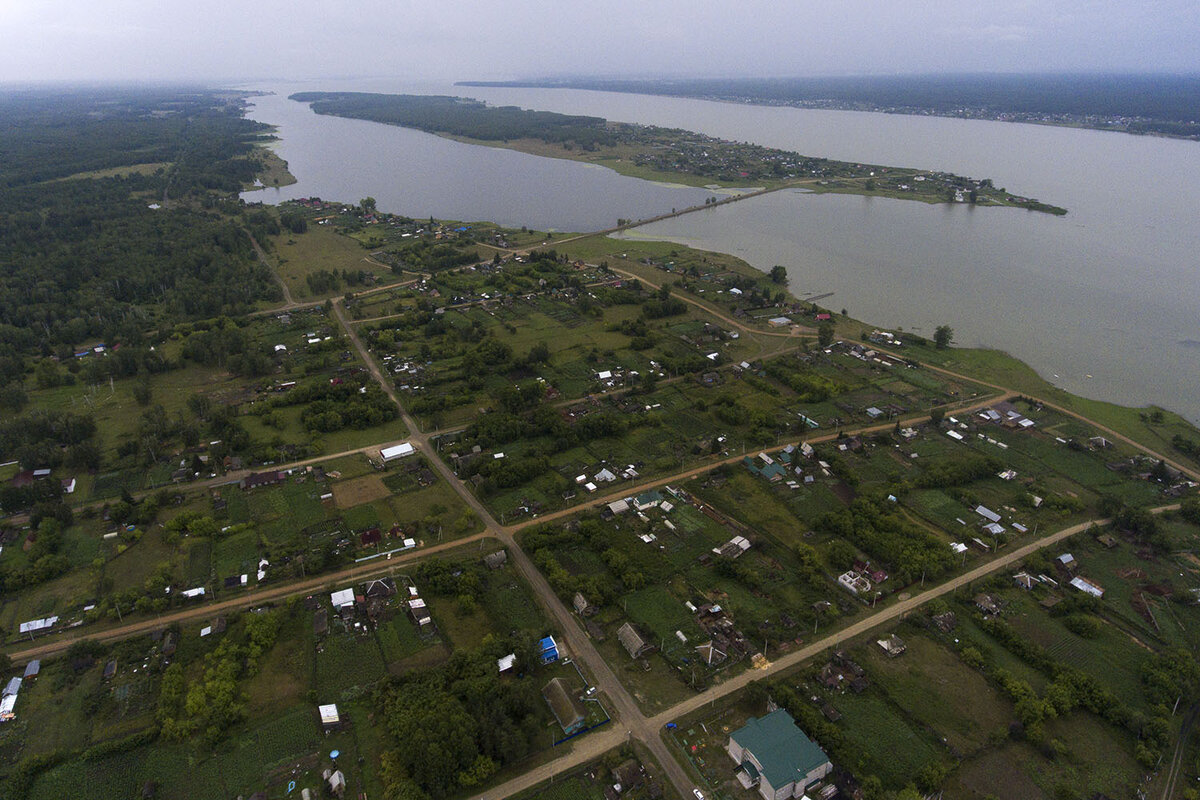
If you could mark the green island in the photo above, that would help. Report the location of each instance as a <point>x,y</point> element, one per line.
<point>511,513</point>
<point>655,153</point>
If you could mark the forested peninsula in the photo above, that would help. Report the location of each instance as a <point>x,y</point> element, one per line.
<point>656,153</point>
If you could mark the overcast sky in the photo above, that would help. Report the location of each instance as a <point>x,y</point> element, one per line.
<point>227,40</point>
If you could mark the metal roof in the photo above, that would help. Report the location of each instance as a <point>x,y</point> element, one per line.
<point>782,749</point>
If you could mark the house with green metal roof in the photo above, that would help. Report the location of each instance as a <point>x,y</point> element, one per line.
<point>774,755</point>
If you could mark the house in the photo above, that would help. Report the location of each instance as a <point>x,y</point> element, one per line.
<point>496,560</point>
<point>987,603</point>
<point>648,500</point>
<point>548,650</point>
<point>1088,587</point>
<point>582,607</point>
<point>632,641</point>
<point>337,782</point>
<point>1024,580</point>
<point>563,705</point>
<point>402,450</point>
<point>854,583</point>
<point>379,588</point>
<point>775,756</point>
<point>733,548</point>
<point>257,479</point>
<point>946,621</point>
<point>893,645</point>
<point>342,599</point>
<point>628,775</point>
<point>32,669</point>
<point>710,654</point>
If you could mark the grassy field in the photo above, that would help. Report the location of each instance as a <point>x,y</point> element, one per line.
<point>298,255</point>
<point>934,688</point>
<point>1093,759</point>
<point>117,172</point>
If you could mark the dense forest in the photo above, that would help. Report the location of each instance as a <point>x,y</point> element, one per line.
<point>1145,103</point>
<point>460,116</point>
<point>86,257</point>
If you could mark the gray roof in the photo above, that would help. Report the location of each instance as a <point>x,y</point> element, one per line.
<point>631,640</point>
<point>564,706</point>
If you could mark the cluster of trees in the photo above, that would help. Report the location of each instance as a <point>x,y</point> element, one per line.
<point>48,439</point>
<point>663,304</point>
<point>626,568</point>
<point>552,434</point>
<point>877,528</point>
<point>958,471</point>
<point>330,280</point>
<point>420,254</point>
<point>453,727</point>
<point>213,703</point>
<point>1136,521</point>
<point>460,116</point>
<point>331,407</point>
<point>224,343</point>
<point>1188,447</point>
<point>44,560</point>
<point>811,387</point>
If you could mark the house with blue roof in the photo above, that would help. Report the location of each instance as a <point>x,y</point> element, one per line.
<point>548,649</point>
<point>775,756</point>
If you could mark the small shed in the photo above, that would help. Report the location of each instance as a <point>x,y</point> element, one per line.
<point>893,645</point>
<point>32,669</point>
<point>582,607</point>
<point>330,718</point>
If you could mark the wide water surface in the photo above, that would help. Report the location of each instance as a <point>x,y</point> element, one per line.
<point>1102,302</point>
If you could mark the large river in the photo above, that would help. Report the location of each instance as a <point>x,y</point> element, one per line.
<point>1102,302</point>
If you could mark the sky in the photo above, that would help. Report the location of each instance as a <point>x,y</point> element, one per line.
<point>237,40</point>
